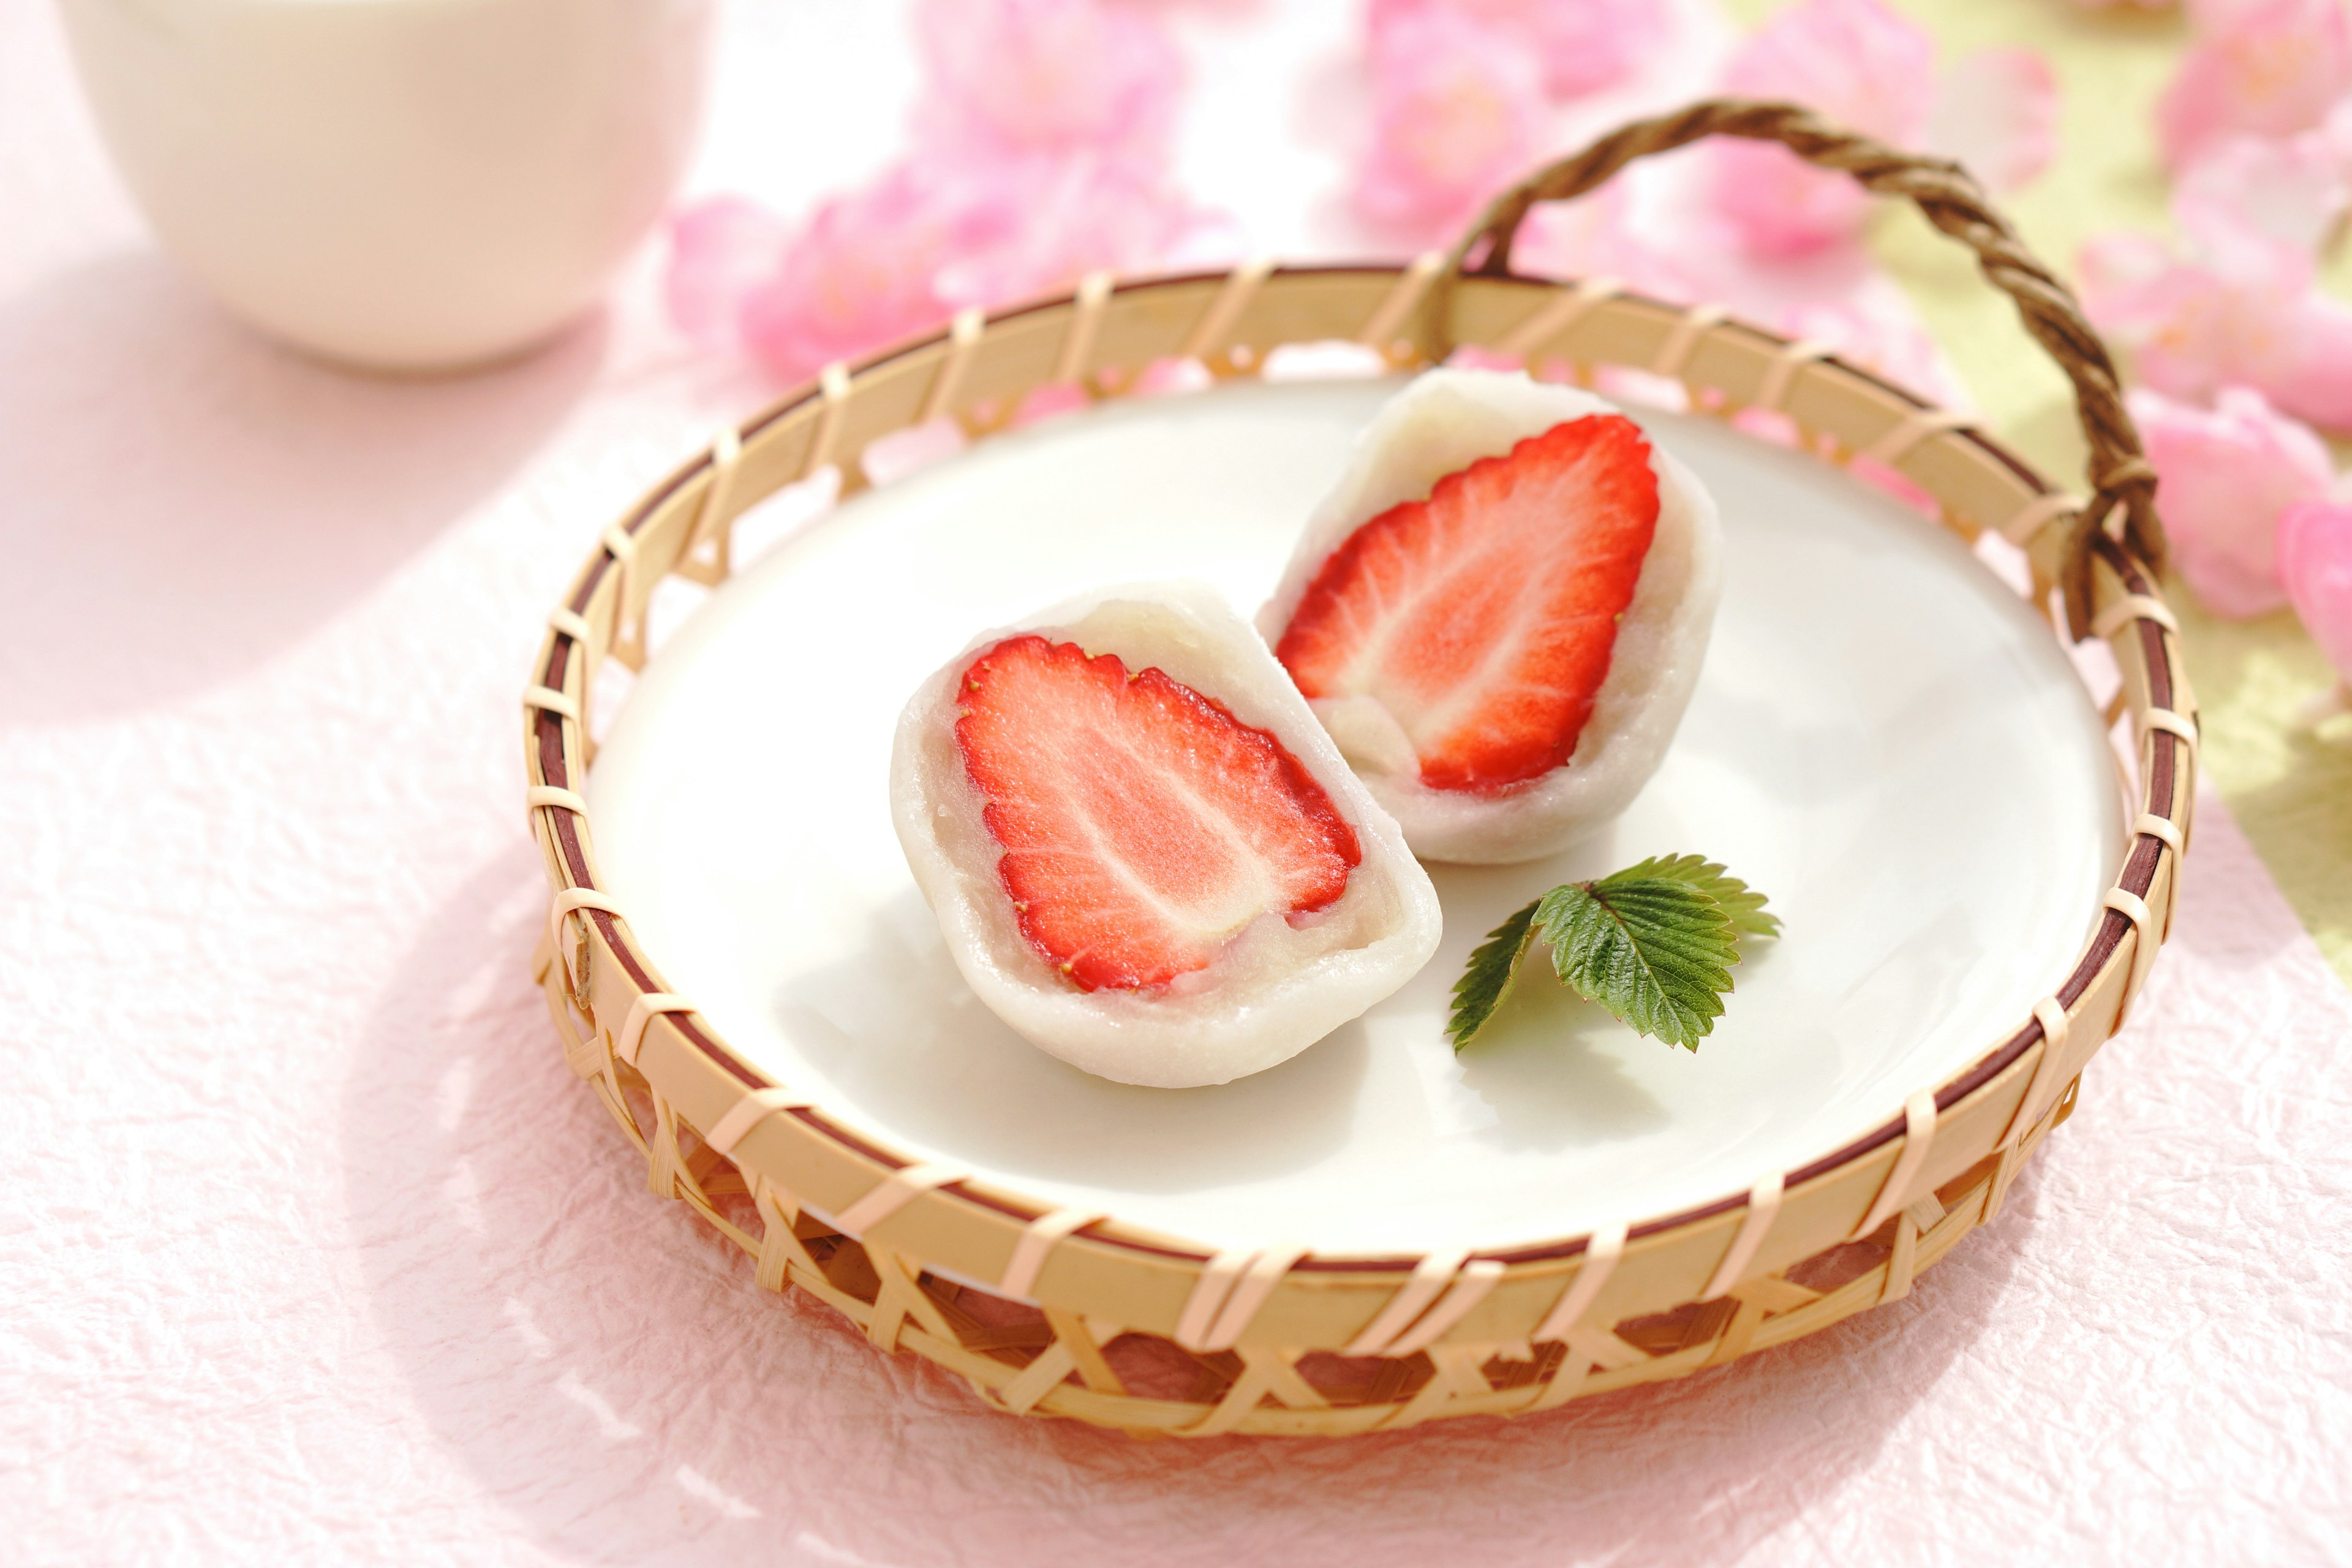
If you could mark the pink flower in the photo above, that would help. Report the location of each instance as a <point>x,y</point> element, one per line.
<point>2315,564</point>
<point>900,255</point>
<point>2236,307</point>
<point>1839,298</point>
<point>1457,109</point>
<point>1582,45</point>
<point>1041,76</point>
<point>1597,235</point>
<point>1860,66</point>
<point>862,271</point>
<point>2270,68</point>
<point>1036,225</point>
<point>2293,190</point>
<point>1043,131</point>
<point>2224,476</point>
<point>719,251</point>
<point>1996,112</point>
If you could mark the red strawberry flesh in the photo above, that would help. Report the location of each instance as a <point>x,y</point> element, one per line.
<point>1483,618</point>
<point>1143,825</point>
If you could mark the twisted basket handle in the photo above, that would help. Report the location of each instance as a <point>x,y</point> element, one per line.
<point>2121,479</point>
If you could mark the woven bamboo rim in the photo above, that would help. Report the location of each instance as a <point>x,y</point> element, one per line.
<point>1025,1300</point>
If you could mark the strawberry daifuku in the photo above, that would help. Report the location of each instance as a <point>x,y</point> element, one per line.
<point>1144,824</point>
<point>1146,855</point>
<point>1500,611</point>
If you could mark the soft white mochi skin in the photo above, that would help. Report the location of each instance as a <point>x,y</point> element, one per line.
<point>1444,421</point>
<point>1277,989</point>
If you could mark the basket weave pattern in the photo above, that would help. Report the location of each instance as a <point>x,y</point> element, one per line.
<point>1057,1312</point>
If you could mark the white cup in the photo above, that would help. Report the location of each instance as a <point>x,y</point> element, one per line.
<point>405,185</point>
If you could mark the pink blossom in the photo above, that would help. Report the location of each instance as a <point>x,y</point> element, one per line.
<point>903,254</point>
<point>1035,226</point>
<point>862,271</point>
<point>1597,235</point>
<point>2293,190</point>
<point>2269,68</point>
<point>2235,307</point>
<point>1039,76</point>
<point>1042,129</point>
<point>2224,476</point>
<point>1583,45</point>
<point>2314,564</point>
<point>1860,66</point>
<point>1457,110</point>
<point>719,250</point>
<point>2210,17</point>
<point>1839,298</point>
<point>1996,112</point>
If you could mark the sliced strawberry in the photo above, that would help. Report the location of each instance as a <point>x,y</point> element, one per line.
<point>1144,824</point>
<point>1483,618</point>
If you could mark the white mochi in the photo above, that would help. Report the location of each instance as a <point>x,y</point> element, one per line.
<point>1441,423</point>
<point>1277,988</point>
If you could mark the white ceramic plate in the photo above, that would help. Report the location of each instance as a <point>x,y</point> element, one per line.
<point>1885,739</point>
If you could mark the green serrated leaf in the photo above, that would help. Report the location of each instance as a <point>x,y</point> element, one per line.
<point>1655,951</point>
<point>1488,979</point>
<point>1653,944</point>
<point>1742,903</point>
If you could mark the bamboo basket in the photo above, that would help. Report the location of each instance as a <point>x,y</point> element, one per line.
<point>1285,1342</point>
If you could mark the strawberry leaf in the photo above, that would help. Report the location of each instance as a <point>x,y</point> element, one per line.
<point>1742,903</point>
<point>1653,944</point>
<point>1656,952</point>
<point>1488,977</point>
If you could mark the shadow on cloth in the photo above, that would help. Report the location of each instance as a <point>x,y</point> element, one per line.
<point>207,497</point>
<point>605,1366</point>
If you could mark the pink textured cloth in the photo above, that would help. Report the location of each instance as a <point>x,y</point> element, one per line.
<point>312,1251</point>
